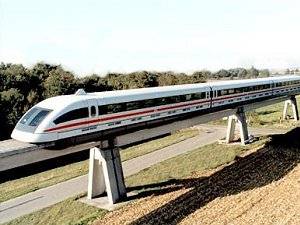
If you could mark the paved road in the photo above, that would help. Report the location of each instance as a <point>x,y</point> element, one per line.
<point>48,196</point>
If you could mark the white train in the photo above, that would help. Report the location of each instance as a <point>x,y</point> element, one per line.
<point>83,115</point>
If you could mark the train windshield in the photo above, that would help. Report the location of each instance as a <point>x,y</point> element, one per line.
<point>39,117</point>
<point>28,115</point>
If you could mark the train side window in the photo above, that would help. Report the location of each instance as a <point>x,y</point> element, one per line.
<point>224,92</point>
<point>116,108</point>
<point>73,115</point>
<point>188,97</point>
<point>195,96</point>
<point>238,90</point>
<point>230,91</point>
<point>102,110</point>
<point>173,99</point>
<point>149,103</point>
<point>163,101</point>
<point>133,105</point>
<point>93,111</point>
<point>182,98</point>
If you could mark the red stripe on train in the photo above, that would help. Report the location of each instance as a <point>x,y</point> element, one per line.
<point>146,111</point>
<point>121,116</point>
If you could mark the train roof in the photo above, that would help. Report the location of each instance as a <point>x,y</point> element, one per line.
<point>256,81</point>
<point>154,92</point>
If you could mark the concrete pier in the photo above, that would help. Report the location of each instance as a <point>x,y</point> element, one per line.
<point>240,118</point>
<point>105,172</point>
<point>293,103</point>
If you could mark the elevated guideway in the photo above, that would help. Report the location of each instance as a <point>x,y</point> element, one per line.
<point>15,154</point>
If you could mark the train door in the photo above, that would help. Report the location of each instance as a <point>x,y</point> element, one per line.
<point>272,86</point>
<point>93,108</point>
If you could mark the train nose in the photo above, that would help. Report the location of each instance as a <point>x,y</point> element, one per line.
<point>24,136</point>
<point>31,137</point>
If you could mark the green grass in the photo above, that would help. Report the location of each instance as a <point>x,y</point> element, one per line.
<point>203,158</point>
<point>72,211</point>
<point>15,188</point>
<point>154,145</point>
<point>269,116</point>
<point>69,211</point>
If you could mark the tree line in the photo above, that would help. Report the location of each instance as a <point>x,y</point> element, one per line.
<point>22,87</point>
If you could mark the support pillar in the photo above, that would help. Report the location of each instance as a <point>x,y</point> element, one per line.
<point>113,177</point>
<point>292,101</point>
<point>230,128</point>
<point>240,118</point>
<point>96,183</point>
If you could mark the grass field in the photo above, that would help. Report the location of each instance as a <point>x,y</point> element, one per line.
<point>15,188</point>
<point>201,159</point>
<point>269,116</point>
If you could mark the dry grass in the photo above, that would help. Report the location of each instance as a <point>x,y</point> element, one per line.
<point>258,187</point>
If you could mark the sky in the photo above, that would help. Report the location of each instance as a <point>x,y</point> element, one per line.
<point>97,36</point>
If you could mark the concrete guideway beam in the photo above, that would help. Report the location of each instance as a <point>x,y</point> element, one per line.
<point>240,118</point>
<point>105,172</point>
<point>23,154</point>
<point>293,103</point>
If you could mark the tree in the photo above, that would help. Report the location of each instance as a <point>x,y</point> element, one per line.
<point>59,82</point>
<point>42,70</point>
<point>12,105</point>
<point>264,73</point>
<point>242,73</point>
<point>287,71</point>
<point>93,83</point>
<point>114,80</point>
<point>252,73</point>
<point>200,76</point>
<point>166,79</point>
<point>140,79</point>
<point>222,74</point>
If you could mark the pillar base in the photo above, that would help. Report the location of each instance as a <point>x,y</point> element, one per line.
<point>240,118</point>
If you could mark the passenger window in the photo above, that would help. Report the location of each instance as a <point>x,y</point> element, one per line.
<point>73,115</point>
<point>188,97</point>
<point>149,103</point>
<point>93,111</point>
<point>133,105</point>
<point>115,108</point>
<point>102,109</point>
<point>224,92</point>
<point>231,91</point>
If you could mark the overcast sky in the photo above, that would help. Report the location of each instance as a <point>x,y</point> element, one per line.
<point>96,36</point>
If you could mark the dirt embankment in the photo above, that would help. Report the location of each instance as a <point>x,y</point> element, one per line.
<point>261,187</point>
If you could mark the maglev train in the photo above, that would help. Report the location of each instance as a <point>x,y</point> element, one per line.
<point>70,117</point>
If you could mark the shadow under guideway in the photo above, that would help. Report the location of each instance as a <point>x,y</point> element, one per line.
<point>268,164</point>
